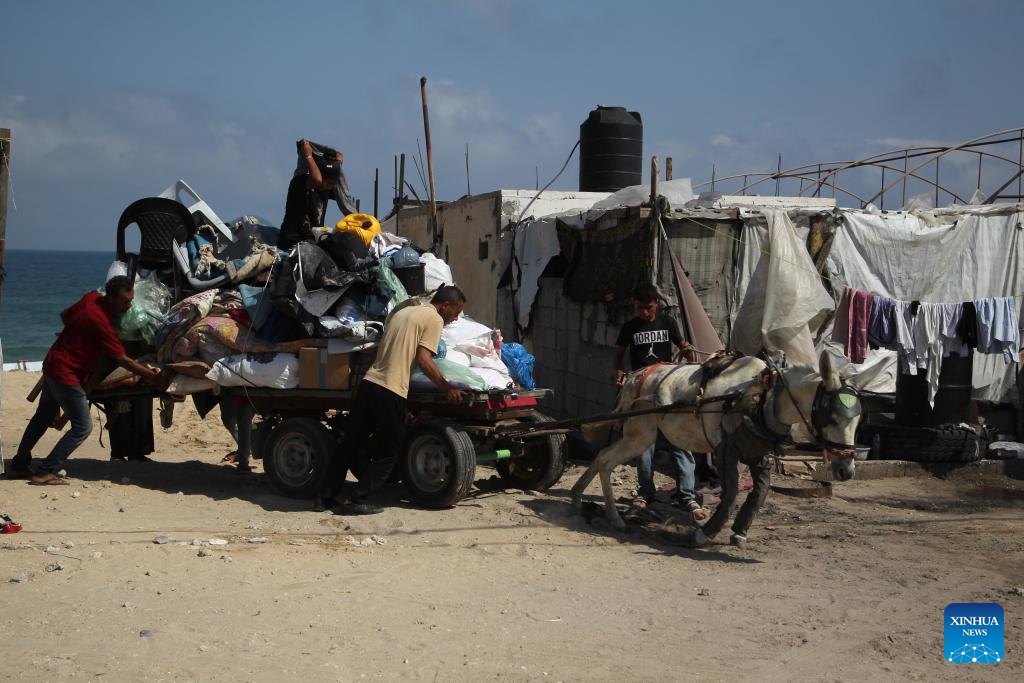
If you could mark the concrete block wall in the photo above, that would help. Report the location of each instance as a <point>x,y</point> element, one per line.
<point>574,356</point>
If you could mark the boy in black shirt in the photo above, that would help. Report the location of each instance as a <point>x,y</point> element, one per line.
<point>652,338</point>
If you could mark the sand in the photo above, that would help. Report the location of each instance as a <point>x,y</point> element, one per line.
<point>116,578</point>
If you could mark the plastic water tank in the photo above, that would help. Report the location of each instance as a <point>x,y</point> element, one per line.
<point>611,150</point>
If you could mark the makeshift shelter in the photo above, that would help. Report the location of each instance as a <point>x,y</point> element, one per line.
<point>768,272</point>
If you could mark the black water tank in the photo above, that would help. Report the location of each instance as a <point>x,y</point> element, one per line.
<point>611,150</point>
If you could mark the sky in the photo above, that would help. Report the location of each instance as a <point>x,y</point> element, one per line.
<point>111,101</point>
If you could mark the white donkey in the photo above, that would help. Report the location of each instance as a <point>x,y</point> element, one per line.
<point>776,401</point>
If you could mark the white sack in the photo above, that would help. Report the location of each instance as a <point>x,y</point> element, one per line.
<point>280,371</point>
<point>435,272</point>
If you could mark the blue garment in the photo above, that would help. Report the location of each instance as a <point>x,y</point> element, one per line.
<point>881,325</point>
<point>683,461</point>
<point>997,327</point>
<point>54,397</point>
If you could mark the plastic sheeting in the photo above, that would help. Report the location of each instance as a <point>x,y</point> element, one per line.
<point>780,298</point>
<point>942,256</point>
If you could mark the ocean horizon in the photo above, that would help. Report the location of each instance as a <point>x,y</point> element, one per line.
<point>39,285</point>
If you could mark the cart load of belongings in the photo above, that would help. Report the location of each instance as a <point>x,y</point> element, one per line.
<point>322,299</point>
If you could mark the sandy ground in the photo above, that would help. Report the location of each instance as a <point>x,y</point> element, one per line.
<point>508,585</point>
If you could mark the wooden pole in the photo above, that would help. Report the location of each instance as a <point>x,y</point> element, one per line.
<point>430,160</point>
<point>376,182</point>
<point>668,168</point>
<point>654,180</point>
<point>5,161</point>
<point>401,192</point>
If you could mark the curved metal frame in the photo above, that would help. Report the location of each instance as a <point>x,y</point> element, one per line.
<point>828,173</point>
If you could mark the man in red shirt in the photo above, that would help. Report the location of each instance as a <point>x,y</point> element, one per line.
<point>88,335</point>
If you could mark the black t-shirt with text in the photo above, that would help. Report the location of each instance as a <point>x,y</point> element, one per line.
<point>650,342</point>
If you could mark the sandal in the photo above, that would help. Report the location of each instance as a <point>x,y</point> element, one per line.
<point>696,510</point>
<point>641,503</point>
<point>230,457</point>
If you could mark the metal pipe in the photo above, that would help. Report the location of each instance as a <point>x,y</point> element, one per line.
<point>376,182</point>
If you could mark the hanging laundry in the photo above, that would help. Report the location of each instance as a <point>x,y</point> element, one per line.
<point>967,330</point>
<point>951,315</point>
<point>905,347</point>
<point>997,327</point>
<point>881,325</point>
<point>851,326</point>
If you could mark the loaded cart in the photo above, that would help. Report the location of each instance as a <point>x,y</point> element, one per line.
<point>298,430</point>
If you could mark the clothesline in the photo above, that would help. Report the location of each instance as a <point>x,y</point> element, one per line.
<point>923,333</point>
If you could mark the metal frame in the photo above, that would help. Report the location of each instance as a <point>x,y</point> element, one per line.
<point>993,152</point>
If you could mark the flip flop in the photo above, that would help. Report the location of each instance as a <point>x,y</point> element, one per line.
<point>48,480</point>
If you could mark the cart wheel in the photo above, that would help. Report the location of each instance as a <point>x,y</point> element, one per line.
<point>260,436</point>
<point>541,462</point>
<point>296,455</point>
<point>439,464</point>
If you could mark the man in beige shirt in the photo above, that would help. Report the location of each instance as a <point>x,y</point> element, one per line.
<point>410,340</point>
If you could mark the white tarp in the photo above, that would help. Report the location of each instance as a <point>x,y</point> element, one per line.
<point>941,256</point>
<point>779,295</point>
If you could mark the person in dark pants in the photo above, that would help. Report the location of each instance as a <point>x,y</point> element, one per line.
<point>88,335</point>
<point>236,415</point>
<point>410,340</point>
<point>130,425</point>
<point>651,338</point>
<point>747,445</point>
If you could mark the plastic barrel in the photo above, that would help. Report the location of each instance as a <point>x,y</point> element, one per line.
<point>611,150</point>
<point>952,398</point>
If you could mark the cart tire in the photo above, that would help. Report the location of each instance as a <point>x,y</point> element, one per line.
<point>541,464</point>
<point>439,464</point>
<point>296,456</point>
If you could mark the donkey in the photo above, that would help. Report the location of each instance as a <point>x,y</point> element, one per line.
<point>776,401</point>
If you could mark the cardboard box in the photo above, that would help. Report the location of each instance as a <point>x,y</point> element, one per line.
<point>321,370</point>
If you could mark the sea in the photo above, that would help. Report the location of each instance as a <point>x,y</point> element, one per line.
<point>39,285</point>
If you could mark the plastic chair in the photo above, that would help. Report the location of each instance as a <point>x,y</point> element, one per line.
<point>163,224</point>
<point>201,214</point>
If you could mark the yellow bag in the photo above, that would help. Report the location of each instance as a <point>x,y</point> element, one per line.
<point>362,224</point>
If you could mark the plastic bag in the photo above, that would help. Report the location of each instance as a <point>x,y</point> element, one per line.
<point>435,272</point>
<point>116,268</point>
<point>150,305</point>
<point>458,376</point>
<point>520,363</point>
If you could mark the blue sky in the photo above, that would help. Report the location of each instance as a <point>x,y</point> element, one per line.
<point>112,101</point>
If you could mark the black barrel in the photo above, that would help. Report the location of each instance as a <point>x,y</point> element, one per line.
<point>611,150</point>
<point>952,399</point>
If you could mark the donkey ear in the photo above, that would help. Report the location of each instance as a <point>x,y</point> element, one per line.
<point>829,376</point>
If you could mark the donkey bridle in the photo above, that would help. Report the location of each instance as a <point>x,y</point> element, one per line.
<point>825,402</point>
